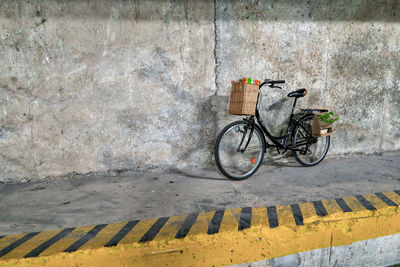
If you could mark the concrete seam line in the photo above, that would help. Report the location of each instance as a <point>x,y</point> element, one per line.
<point>220,237</point>
<point>215,48</point>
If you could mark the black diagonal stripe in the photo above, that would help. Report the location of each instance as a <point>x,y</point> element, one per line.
<point>385,199</point>
<point>1,236</point>
<point>17,243</point>
<point>397,192</point>
<point>298,216</point>
<point>319,208</point>
<point>187,224</point>
<point>343,205</point>
<point>92,233</point>
<point>365,203</point>
<point>272,217</point>
<point>35,252</point>
<point>245,219</point>
<point>153,231</point>
<point>122,233</point>
<point>215,223</point>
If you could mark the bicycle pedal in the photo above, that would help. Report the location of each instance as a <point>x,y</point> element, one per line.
<point>305,152</point>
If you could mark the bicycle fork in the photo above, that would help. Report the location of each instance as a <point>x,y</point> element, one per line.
<point>244,137</point>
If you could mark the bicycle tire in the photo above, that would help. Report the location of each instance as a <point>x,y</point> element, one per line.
<point>224,170</point>
<point>306,122</point>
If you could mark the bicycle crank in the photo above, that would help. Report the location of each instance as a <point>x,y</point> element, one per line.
<point>305,151</point>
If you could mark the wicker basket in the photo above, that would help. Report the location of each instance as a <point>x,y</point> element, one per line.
<point>320,128</point>
<point>243,98</point>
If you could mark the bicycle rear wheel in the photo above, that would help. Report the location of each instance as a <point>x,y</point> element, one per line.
<point>312,153</point>
<point>234,162</point>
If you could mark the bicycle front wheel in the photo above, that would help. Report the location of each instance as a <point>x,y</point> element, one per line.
<point>314,149</point>
<point>234,160</point>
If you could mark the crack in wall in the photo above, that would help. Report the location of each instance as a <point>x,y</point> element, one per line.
<point>327,54</point>
<point>215,48</point>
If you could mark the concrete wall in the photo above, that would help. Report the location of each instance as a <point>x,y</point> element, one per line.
<point>109,86</point>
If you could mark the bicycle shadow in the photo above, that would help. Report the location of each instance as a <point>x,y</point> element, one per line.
<point>280,164</point>
<point>192,175</point>
<point>276,160</point>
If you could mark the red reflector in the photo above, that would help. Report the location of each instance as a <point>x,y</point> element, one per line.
<point>253,160</point>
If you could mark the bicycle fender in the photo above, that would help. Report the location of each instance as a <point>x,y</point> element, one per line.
<point>262,133</point>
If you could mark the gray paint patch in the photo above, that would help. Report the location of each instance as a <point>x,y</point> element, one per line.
<point>382,251</point>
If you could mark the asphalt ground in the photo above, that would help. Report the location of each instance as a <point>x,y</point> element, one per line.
<point>47,205</point>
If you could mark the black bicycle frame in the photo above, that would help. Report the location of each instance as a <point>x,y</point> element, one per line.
<point>281,142</point>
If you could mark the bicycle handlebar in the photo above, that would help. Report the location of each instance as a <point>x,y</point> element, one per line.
<point>271,83</point>
<point>276,81</point>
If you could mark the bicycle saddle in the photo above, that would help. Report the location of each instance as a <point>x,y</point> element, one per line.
<point>298,93</point>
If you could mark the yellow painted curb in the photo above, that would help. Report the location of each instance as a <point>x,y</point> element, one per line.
<point>214,238</point>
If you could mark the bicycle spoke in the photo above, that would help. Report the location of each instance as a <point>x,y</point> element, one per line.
<point>302,134</point>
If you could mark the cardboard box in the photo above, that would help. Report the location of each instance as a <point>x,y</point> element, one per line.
<point>320,128</point>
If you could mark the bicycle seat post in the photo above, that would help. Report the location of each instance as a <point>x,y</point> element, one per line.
<point>285,141</point>
<point>294,105</point>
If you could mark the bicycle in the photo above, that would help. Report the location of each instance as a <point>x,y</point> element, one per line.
<point>238,154</point>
